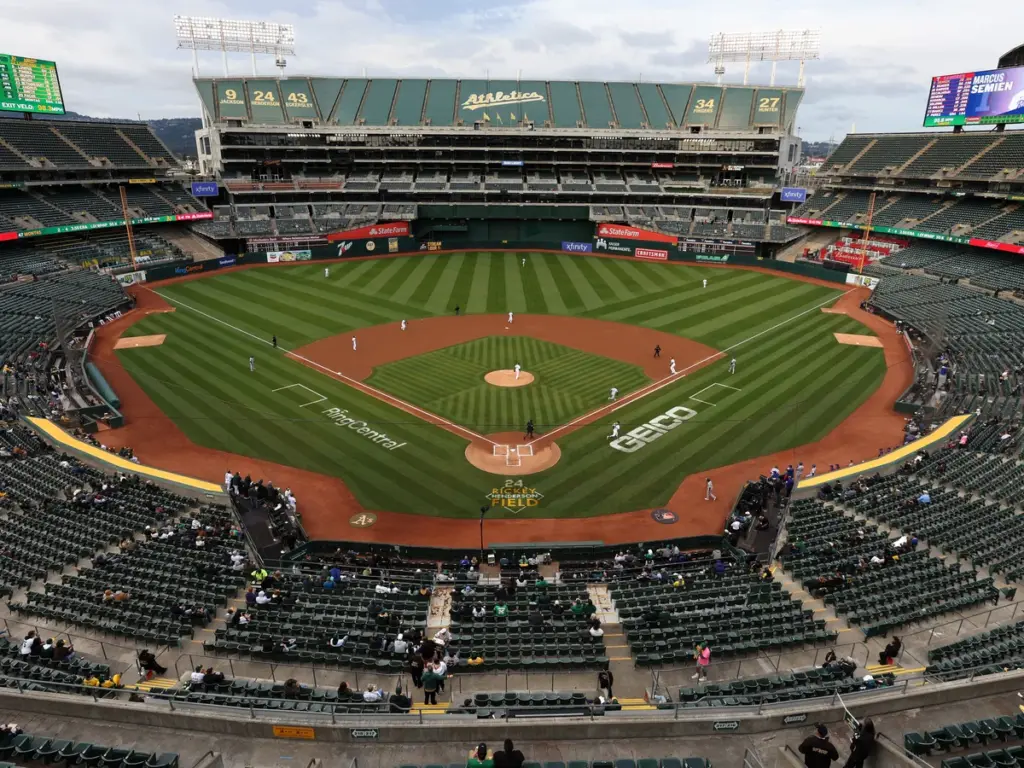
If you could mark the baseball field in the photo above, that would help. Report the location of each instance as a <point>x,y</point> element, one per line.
<point>398,417</point>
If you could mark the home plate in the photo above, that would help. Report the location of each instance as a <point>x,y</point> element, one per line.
<point>857,340</point>
<point>130,342</point>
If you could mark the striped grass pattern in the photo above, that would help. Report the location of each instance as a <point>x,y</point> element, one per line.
<point>794,383</point>
<point>449,382</point>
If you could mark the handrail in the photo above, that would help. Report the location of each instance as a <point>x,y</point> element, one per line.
<point>207,753</point>
<point>987,613</point>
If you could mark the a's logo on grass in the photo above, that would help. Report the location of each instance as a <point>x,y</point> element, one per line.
<point>514,496</point>
<point>342,418</point>
<point>665,516</point>
<point>635,439</point>
<point>362,520</point>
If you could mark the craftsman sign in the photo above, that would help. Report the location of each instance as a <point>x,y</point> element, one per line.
<point>364,734</point>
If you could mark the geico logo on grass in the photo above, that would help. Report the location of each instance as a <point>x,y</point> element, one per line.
<point>635,439</point>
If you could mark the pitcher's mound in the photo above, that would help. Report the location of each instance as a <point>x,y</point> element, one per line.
<point>130,342</point>
<point>508,378</point>
<point>511,455</point>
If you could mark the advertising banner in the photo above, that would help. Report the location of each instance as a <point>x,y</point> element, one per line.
<point>897,231</point>
<point>90,226</point>
<point>205,189</point>
<point>132,278</point>
<point>142,181</point>
<point>273,257</point>
<point>394,229</point>
<point>623,232</point>
<point>653,254</point>
<point>996,246</point>
<point>794,195</point>
<point>511,163</point>
<point>571,247</point>
<point>604,245</point>
<point>227,261</point>
<point>855,279</point>
<point>666,166</point>
<point>715,258</point>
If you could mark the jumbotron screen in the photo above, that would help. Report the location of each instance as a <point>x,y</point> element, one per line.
<point>29,85</point>
<point>976,98</point>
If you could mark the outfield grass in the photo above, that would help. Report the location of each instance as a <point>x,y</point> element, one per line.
<point>793,385</point>
<point>450,382</point>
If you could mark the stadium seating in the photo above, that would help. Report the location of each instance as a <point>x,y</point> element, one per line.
<point>965,735</point>
<point>986,653</point>
<point>830,556</point>
<point>947,154</point>
<point>71,144</point>
<point>28,747</point>
<point>40,142</point>
<point>890,151</point>
<point>969,155</point>
<point>904,211</point>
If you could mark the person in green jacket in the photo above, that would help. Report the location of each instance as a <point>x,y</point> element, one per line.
<point>480,758</point>
<point>577,608</point>
<point>501,609</point>
<point>431,682</point>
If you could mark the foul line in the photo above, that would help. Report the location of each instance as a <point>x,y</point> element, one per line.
<point>427,416</point>
<point>660,384</point>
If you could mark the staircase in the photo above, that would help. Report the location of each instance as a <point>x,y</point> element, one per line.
<point>984,151</point>
<point>91,160</point>
<point>914,156</point>
<point>10,148</point>
<point>860,154</point>
<point>133,145</point>
<point>200,249</point>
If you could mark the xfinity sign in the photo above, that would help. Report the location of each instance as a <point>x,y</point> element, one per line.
<point>572,247</point>
<point>635,439</point>
<point>794,195</point>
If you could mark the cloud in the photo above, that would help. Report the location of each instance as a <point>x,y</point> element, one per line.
<point>119,57</point>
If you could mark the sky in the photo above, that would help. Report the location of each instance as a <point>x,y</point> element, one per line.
<point>119,59</point>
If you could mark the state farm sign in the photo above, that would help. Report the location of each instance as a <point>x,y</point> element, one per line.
<point>633,233</point>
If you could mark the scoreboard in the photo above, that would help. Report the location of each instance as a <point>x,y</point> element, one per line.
<point>29,85</point>
<point>989,97</point>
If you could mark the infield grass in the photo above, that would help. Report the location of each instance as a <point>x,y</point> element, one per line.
<point>794,382</point>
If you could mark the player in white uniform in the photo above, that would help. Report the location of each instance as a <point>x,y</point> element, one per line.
<point>524,261</point>
<point>510,318</point>
<point>327,271</point>
<point>709,490</point>
<point>252,364</point>
<point>615,431</point>
<point>732,365</point>
<point>672,366</point>
<point>353,343</point>
<point>705,282</point>
<point>613,393</point>
<point>517,371</point>
<point>403,325</point>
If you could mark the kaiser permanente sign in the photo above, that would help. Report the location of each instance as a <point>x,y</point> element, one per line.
<point>86,227</point>
<point>977,242</point>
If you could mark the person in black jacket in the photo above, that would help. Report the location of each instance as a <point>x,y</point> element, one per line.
<point>510,757</point>
<point>399,703</point>
<point>862,745</point>
<point>818,750</point>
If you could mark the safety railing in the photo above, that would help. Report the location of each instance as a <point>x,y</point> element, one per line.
<point>762,664</point>
<point>974,622</point>
<point>302,710</point>
<point>118,657</point>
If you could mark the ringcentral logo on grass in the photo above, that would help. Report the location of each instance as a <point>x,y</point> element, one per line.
<point>340,417</point>
<point>635,439</point>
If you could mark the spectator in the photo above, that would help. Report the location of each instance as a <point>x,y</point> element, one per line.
<point>431,681</point>
<point>197,678</point>
<point>891,651</point>
<point>596,630</point>
<point>149,663</point>
<point>28,644</point>
<point>509,757</point>
<point>400,646</point>
<point>703,657</point>
<point>605,681</point>
<point>480,758</point>
<point>373,694</point>
<point>501,610</point>
<point>399,703</point>
<point>63,651</point>
<point>818,750</point>
<point>292,688</point>
<point>212,678</point>
<point>344,692</point>
<point>862,745</point>
<point>46,652</point>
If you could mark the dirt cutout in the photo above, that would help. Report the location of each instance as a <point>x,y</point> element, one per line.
<point>858,340</point>
<point>509,378</point>
<point>131,342</point>
<point>511,454</point>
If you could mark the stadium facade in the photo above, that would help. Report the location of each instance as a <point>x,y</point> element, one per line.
<point>303,157</point>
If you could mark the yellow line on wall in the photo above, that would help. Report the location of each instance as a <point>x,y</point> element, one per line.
<point>902,452</point>
<point>58,435</point>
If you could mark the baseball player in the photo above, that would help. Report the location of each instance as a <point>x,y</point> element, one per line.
<point>705,282</point>
<point>613,394</point>
<point>252,364</point>
<point>672,366</point>
<point>517,371</point>
<point>403,325</point>
<point>657,350</point>
<point>615,431</point>
<point>510,318</point>
<point>732,365</point>
<point>709,490</point>
<point>327,272</point>
<point>799,471</point>
<point>529,429</point>
<point>814,470</point>
<point>274,341</point>
<point>353,343</point>
<point>524,261</point>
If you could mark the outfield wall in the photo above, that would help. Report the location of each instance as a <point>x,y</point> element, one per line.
<point>644,250</point>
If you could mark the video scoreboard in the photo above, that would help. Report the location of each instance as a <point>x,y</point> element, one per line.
<point>29,85</point>
<point>989,97</point>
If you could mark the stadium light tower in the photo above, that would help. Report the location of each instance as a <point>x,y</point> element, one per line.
<point>203,33</point>
<point>782,45</point>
